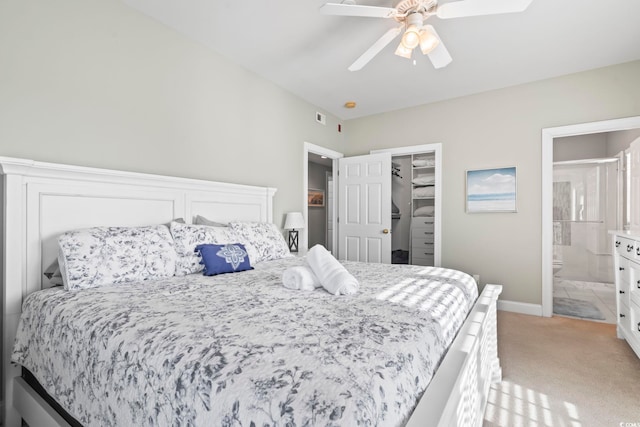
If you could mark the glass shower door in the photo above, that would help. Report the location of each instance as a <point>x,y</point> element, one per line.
<point>585,207</point>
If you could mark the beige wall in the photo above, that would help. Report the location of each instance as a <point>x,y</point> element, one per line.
<point>620,141</point>
<point>592,146</point>
<point>493,129</point>
<point>95,83</point>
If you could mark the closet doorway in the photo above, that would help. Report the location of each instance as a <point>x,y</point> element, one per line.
<point>576,217</point>
<point>416,207</point>
<point>423,178</point>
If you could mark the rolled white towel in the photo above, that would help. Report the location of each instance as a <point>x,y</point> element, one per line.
<point>333,276</point>
<point>300,277</point>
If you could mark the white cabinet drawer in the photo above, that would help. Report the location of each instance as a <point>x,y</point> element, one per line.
<point>418,233</point>
<point>422,239</point>
<point>619,244</point>
<point>622,275</point>
<point>624,317</point>
<point>625,247</point>
<point>422,260</point>
<point>633,284</point>
<point>422,251</point>
<point>422,222</point>
<point>422,245</point>
<point>634,321</point>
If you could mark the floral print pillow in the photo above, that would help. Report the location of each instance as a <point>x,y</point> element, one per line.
<point>265,238</point>
<point>188,236</point>
<point>108,255</point>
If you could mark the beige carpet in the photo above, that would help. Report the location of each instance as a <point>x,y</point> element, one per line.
<point>563,372</point>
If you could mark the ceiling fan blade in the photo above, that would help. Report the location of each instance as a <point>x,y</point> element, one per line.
<point>375,48</point>
<point>357,10</point>
<point>459,9</point>
<point>439,56</point>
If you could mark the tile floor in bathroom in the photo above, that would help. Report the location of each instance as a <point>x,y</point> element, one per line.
<point>602,295</point>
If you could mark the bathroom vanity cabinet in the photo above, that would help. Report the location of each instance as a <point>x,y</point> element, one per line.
<point>627,278</point>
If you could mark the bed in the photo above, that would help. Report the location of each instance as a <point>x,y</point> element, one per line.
<point>265,354</point>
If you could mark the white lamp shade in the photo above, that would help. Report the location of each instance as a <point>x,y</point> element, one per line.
<point>294,221</point>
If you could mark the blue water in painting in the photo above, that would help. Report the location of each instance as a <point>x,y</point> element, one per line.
<point>491,196</point>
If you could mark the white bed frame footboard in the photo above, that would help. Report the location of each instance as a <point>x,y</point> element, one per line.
<point>459,391</point>
<point>42,200</point>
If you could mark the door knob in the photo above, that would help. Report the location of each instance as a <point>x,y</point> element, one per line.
<point>385,231</point>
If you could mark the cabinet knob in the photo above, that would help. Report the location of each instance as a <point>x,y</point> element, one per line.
<point>617,243</point>
<point>621,268</point>
<point>622,315</point>
<point>629,248</point>
<point>638,250</point>
<point>638,326</point>
<point>622,292</point>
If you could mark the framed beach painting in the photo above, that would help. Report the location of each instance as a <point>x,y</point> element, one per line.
<point>491,190</point>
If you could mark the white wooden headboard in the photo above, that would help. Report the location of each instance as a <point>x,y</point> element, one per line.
<point>42,200</point>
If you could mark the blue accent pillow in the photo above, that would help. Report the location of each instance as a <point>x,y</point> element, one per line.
<point>227,258</point>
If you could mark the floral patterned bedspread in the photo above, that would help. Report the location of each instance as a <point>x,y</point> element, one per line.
<point>242,350</point>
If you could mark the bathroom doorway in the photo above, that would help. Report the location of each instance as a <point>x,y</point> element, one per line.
<point>625,128</point>
<point>588,201</point>
<point>585,207</point>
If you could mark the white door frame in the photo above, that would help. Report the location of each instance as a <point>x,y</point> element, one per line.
<point>333,155</point>
<point>548,134</point>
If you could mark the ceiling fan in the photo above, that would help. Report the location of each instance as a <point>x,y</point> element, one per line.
<point>411,15</point>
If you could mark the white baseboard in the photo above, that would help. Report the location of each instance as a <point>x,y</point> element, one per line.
<point>520,307</point>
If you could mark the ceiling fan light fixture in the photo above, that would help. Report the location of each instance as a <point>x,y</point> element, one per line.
<point>403,51</point>
<point>428,41</point>
<point>411,37</point>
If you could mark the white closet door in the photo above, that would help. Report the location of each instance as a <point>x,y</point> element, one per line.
<point>364,219</point>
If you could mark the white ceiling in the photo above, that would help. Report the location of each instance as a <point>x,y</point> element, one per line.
<point>291,44</point>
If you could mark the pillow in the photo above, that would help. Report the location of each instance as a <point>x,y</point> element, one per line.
<point>423,211</point>
<point>187,236</point>
<point>427,191</point>
<point>424,180</point>
<point>419,163</point>
<point>265,238</point>
<point>219,259</point>
<point>180,220</point>
<point>106,255</point>
<point>200,220</point>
